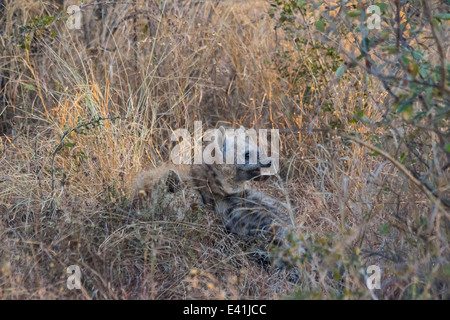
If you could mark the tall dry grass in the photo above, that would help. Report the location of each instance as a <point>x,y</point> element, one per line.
<point>160,66</point>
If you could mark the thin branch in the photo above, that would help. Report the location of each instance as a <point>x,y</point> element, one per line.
<point>438,44</point>
<point>420,184</point>
<point>61,145</point>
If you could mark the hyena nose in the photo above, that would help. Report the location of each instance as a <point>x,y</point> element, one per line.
<point>268,164</point>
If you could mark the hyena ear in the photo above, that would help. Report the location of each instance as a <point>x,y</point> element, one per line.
<point>173,181</point>
<point>220,137</point>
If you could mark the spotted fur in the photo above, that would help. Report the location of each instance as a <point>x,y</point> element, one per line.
<point>252,216</point>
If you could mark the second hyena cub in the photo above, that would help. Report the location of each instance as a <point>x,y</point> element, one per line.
<point>253,216</point>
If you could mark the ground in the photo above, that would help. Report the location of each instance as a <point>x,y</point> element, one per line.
<point>82,112</point>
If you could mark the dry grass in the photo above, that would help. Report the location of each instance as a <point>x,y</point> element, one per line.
<point>161,68</point>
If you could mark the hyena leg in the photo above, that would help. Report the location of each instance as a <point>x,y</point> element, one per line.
<point>263,231</point>
<point>254,225</point>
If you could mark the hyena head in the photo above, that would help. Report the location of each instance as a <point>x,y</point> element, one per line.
<point>242,158</point>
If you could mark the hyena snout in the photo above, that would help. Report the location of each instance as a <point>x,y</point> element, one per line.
<point>259,170</point>
<point>267,163</point>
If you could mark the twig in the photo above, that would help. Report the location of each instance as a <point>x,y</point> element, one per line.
<point>61,145</point>
<point>422,186</point>
<point>438,44</point>
<point>372,253</point>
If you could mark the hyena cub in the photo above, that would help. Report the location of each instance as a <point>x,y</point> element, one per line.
<point>256,218</point>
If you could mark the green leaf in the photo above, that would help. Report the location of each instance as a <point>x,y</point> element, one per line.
<point>417,55</point>
<point>320,25</point>
<point>403,158</point>
<point>413,69</point>
<point>389,49</point>
<point>317,4</point>
<point>405,58</point>
<point>385,228</point>
<point>405,106</point>
<point>84,156</point>
<point>423,72</point>
<point>442,16</point>
<point>340,71</point>
<point>354,14</point>
<point>407,112</point>
<point>29,87</point>
<point>358,115</point>
<point>447,147</point>
<point>300,3</point>
<point>383,6</point>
